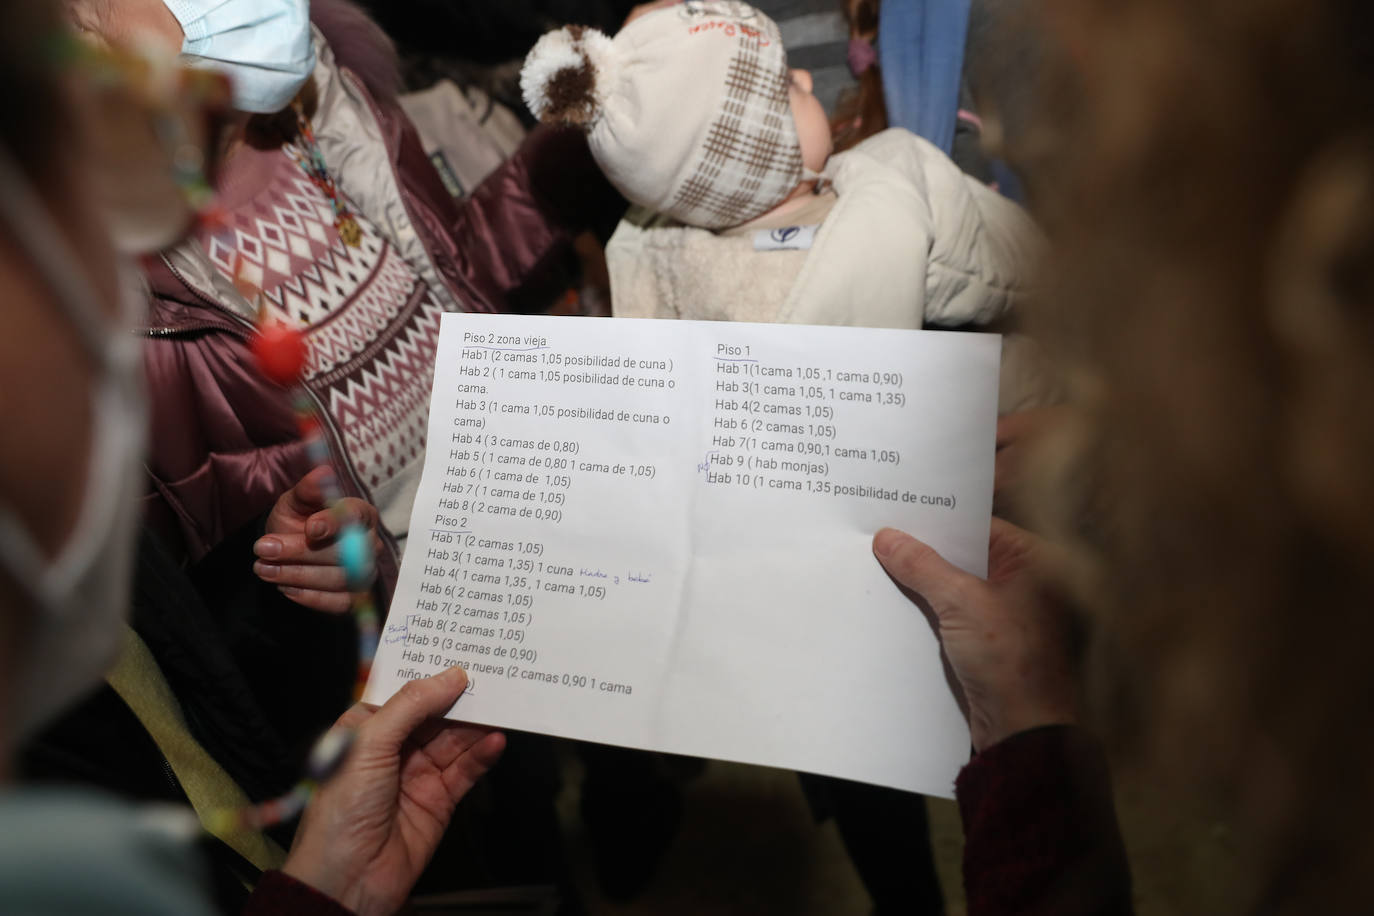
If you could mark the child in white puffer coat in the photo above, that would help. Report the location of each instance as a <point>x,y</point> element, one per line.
<point>743,213</point>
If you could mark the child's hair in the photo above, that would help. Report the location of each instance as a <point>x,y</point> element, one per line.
<point>861,112</point>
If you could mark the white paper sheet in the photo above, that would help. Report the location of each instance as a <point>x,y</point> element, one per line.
<point>657,534</point>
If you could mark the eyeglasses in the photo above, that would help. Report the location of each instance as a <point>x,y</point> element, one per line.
<point>145,132</point>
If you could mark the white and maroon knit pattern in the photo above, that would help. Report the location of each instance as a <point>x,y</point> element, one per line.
<point>371,323</point>
<point>379,397</point>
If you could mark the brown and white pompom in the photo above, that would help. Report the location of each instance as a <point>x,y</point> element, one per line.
<point>568,76</point>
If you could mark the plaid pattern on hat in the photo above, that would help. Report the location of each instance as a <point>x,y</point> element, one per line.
<point>687,110</point>
<point>750,160</point>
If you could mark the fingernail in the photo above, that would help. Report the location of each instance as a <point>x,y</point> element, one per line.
<point>886,541</point>
<point>267,570</point>
<point>317,528</point>
<point>267,548</point>
<point>455,673</point>
<point>289,591</point>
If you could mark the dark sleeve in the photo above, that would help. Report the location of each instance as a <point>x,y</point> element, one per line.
<point>509,242</point>
<point>297,666</point>
<point>1041,837</point>
<point>513,232</point>
<point>278,894</point>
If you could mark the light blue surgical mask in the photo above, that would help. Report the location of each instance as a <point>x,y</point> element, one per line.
<point>263,46</point>
<point>79,598</point>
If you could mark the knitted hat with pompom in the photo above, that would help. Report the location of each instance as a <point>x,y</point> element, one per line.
<point>686,110</point>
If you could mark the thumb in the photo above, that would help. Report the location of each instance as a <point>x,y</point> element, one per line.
<point>918,567</point>
<point>307,496</point>
<point>414,704</point>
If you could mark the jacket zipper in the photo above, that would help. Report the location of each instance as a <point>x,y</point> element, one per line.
<point>186,330</point>
<point>458,298</point>
<point>243,333</point>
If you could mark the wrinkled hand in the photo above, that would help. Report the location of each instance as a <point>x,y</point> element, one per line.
<point>297,553</point>
<point>372,829</point>
<point>1007,644</point>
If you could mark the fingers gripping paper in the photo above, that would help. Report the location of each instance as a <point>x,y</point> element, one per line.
<point>656,534</point>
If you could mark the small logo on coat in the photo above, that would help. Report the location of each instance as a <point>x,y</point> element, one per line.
<point>785,238</point>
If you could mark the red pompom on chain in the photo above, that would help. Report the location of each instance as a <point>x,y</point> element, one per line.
<point>281,353</point>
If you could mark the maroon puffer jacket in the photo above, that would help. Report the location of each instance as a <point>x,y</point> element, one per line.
<point>224,441</point>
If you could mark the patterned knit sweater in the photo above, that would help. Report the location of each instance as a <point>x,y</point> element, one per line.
<point>370,320</point>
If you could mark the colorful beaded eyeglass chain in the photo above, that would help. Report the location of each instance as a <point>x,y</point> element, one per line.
<point>156,81</point>
<point>281,353</point>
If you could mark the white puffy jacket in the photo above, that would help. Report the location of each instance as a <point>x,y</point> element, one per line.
<point>911,242</point>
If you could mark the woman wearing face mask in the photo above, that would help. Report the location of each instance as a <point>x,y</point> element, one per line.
<point>336,222</point>
<point>68,511</point>
<point>255,677</point>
